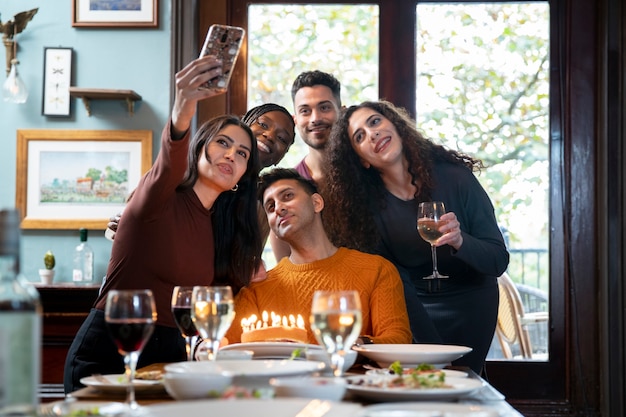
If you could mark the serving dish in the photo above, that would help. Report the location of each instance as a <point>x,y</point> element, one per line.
<point>367,387</point>
<point>273,350</point>
<point>411,355</point>
<point>118,383</point>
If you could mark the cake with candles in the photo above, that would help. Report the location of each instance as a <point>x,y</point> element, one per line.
<point>273,328</point>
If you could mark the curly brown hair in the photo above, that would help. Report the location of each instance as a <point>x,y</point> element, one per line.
<point>353,192</point>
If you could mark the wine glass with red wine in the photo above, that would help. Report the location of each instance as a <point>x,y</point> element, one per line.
<point>428,223</point>
<point>181,309</point>
<point>130,316</point>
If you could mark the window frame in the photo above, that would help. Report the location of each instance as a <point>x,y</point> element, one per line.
<point>566,382</point>
<point>398,21</point>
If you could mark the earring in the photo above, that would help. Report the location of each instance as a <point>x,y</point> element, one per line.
<point>235,188</point>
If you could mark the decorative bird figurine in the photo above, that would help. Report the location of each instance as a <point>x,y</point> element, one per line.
<point>18,24</point>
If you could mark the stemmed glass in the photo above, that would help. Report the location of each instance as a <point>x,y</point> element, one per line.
<point>336,322</point>
<point>428,223</point>
<point>130,317</point>
<point>212,312</point>
<point>181,310</point>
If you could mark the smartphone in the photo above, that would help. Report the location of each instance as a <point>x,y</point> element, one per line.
<point>225,43</point>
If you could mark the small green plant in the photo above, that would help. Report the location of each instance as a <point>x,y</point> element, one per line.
<point>48,260</point>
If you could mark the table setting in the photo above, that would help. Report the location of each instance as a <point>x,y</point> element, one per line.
<point>286,379</point>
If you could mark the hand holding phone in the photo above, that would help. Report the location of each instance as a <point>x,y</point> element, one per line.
<point>224,42</point>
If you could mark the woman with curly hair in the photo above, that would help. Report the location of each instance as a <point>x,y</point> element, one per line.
<point>379,168</point>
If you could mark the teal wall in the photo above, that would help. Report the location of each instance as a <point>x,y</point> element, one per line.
<point>133,59</point>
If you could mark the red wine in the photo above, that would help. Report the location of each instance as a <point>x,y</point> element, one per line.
<point>182,317</point>
<point>130,335</point>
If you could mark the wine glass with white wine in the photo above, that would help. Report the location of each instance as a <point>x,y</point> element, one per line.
<point>212,311</point>
<point>428,223</point>
<point>336,321</point>
<point>130,316</point>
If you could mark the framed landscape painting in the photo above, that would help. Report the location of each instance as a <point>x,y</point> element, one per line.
<point>67,179</point>
<point>115,13</point>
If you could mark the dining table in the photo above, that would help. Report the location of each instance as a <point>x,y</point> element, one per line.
<point>486,396</point>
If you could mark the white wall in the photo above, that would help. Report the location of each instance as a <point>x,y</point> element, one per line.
<point>134,59</point>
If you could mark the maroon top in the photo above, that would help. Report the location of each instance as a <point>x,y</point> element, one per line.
<point>165,237</point>
<point>303,170</point>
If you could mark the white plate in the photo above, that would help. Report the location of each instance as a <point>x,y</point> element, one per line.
<point>428,409</point>
<point>271,350</point>
<point>117,382</point>
<point>450,373</point>
<point>279,407</point>
<point>246,373</point>
<point>412,355</point>
<point>459,388</point>
<point>69,408</point>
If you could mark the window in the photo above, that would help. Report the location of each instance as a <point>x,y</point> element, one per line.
<point>400,80</point>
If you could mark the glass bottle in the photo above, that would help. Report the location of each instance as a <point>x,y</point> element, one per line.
<point>20,326</point>
<point>83,261</point>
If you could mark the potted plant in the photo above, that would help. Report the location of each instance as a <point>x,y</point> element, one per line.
<point>47,274</point>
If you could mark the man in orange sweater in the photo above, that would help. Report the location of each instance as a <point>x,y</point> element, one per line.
<point>293,207</point>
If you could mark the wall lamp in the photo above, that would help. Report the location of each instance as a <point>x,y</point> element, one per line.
<point>14,90</point>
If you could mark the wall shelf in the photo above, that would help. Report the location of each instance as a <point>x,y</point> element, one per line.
<point>88,94</point>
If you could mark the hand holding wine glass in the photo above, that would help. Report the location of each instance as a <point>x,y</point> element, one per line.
<point>336,321</point>
<point>130,316</point>
<point>428,223</point>
<point>212,312</point>
<point>181,310</point>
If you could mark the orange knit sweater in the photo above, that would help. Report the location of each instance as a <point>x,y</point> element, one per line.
<point>289,289</point>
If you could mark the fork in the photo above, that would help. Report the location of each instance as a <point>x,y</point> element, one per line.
<point>314,408</point>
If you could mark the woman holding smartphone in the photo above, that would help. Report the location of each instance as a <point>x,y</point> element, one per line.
<point>192,220</point>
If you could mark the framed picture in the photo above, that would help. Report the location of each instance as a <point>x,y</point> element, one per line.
<point>68,179</point>
<point>115,13</point>
<point>57,78</point>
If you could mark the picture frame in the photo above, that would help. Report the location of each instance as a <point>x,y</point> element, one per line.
<point>68,179</point>
<point>115,13</point>
<point>57,79</point>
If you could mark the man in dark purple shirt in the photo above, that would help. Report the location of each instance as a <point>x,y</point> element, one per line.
<point>316,99</point>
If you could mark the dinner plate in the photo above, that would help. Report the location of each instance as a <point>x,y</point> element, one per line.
<point>246,373</point>
<point>413,354</point>
<point>278,407</point>
<point>83,408</point>
<point>428,409</point>
<point>449,373</point>
<point>272,350</point>
<point>117,382</point>
<point>362,386</point>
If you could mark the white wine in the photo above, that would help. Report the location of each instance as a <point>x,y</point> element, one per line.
<point>429,230</point>
<point>213,319</point>
<point>337,330</point>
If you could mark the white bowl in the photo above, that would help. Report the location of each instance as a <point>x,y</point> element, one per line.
<point>232,355</point>
<point>194,386</point>
<point>246,373</point>
<point>322,356</point>
<point>412,355</point>
<point>324,388</point>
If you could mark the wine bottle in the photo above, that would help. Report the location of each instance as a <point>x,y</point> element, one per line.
<point>20,326</point>
<point>83,261</point>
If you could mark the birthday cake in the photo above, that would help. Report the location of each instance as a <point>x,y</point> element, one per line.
<point>273,328</point>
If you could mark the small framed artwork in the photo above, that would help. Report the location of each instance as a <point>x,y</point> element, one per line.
<point>67,179</point>
<point>115,13</point>
<point>57,78</point>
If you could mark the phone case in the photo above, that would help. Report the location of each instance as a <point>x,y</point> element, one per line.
<point>224,42</point>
